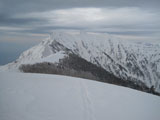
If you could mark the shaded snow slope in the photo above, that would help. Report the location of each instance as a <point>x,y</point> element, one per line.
<point>137,61</point>
<point>52,97</point>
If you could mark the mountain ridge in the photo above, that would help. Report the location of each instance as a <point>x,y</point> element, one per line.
<point>124,59</point>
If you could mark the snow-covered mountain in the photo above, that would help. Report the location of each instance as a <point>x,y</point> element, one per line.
<point>128,60</point>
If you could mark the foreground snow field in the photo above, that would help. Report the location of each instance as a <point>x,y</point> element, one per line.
<point>26,96</point>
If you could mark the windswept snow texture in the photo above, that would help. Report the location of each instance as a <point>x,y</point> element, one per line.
<point>51,97</point>
<point>127,60</point>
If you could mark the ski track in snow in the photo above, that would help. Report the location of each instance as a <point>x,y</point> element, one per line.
<point>26,96</point>
<point>88,106</point>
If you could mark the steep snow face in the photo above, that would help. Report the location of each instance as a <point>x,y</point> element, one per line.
<point>37,54</point>
<point>40,53</point>
<point>26,96</point>
<point>125,59</point>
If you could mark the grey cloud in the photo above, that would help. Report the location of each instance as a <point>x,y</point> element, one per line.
<point>6,20</point>
<point>137,33</point>
<point>48,29</point>
<point>23,6</point>
<point>91,18</point>
<point>16,13</point>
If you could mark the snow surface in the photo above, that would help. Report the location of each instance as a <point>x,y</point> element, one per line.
<point>25,96</point>
<point>53,58</point>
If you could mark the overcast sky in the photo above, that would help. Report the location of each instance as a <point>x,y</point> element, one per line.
<point>23,23</point>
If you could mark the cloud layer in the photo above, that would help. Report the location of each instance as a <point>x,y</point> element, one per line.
<point>97,17</point>
<point>120,17</point>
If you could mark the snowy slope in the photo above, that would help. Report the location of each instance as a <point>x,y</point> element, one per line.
<point>51,97</point>
<point>125,59</point>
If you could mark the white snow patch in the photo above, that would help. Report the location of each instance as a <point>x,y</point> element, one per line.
<point>54,58</point>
